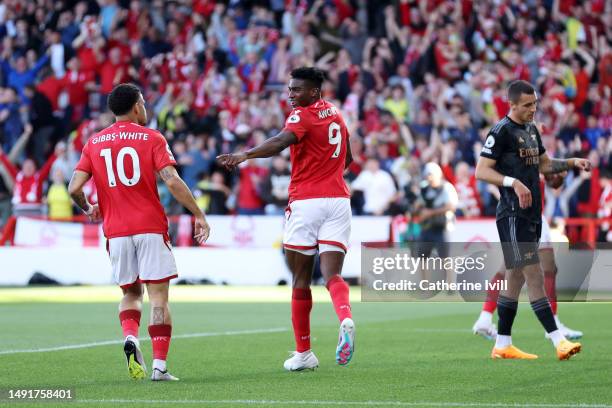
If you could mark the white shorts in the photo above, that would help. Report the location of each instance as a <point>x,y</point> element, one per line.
<point>318,223</point>
<point>143,257</point>
<point>545,238</point>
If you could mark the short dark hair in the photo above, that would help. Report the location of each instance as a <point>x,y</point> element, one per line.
<point>122,98</point>
<point>517,88</point>
<point>314,75</point>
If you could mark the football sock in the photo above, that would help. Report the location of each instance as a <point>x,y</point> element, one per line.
<point>502,341</point>
<point>506,310</point>
<point>556,337</point>
<point>301,305</point>
<point>542,309</point>
<point>551,289</point>
<point>486,317</point>
<point>160,340</point>
<point>492,294</point>
<point>130,322</point>
<point>339,292</point>
<point>159,364</point>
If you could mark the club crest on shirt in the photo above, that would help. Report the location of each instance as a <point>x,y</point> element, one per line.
<point>521,140</point>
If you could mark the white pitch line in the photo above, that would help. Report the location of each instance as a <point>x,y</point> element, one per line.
<point>346,403</point>
<point>112,342</point>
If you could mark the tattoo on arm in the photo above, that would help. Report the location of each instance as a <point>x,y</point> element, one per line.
<point>166,173</point>
<point>559,165</point>
<point>80,200</point>
<point>158,315</point>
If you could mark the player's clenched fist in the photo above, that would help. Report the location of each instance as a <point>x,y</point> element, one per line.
<point>582,164</point>
<point>230,161</point>
<point>523,194</point>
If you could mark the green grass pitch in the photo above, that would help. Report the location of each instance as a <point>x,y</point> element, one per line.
<point>230,344</point>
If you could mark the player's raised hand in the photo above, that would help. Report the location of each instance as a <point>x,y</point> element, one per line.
<point>523,193</point>
<point>229,161</point>
<point>582,164</point>
<point>201,230</point>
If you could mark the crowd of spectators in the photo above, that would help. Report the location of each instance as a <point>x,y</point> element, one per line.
<point>417,81</point>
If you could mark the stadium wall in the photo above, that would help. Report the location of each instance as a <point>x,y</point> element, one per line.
<point>242,250</point>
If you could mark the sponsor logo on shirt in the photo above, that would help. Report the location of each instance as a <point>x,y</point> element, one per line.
<point>530,156</point>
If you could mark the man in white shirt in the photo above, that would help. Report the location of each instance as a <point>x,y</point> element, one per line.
<point>378,188</point>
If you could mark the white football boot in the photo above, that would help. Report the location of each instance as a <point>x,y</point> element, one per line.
<point>484,326</point>
<point>159,375</point>
<point>569,334</point>
<point>301,361</point>
<point>346,342</point>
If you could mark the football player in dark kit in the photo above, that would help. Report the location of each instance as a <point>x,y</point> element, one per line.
<point>512,158</point>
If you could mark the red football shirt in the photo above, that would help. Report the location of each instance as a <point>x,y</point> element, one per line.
<point>317,160</point>
<point>123,159</point>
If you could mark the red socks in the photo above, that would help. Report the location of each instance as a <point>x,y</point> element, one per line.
<point>339,292</point>
<point>130,322</point>
<point>160,333</point>
<point>160,339</point>
<point>551,289</point>
<point>490,303</point>
<point>301,305</point>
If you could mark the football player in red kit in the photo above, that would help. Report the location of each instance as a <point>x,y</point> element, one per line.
<point>318,217</point>
<point>123,160</point>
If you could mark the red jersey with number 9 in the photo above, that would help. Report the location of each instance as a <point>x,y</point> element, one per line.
<point>318,158</point>
<point>123,160</point>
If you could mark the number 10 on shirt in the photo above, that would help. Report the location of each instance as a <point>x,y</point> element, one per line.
<point>125,151</point>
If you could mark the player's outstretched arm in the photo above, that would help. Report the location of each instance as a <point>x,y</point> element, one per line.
<point>75,188</point>
<point>269,148</point>
<point>554,166</point>
<point>485,171</point>
<point>183,195</point>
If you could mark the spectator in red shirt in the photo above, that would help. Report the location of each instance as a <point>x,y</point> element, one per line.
<point>79,84</point>
<point>250,201</point>
<point>28,182</point>
<point>113,72</point>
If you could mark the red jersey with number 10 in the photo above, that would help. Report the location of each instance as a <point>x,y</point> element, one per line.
<point>123,159</point>
<point>318,159</point>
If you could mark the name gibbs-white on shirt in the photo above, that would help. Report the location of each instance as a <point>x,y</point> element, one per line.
<point>111,137</point>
